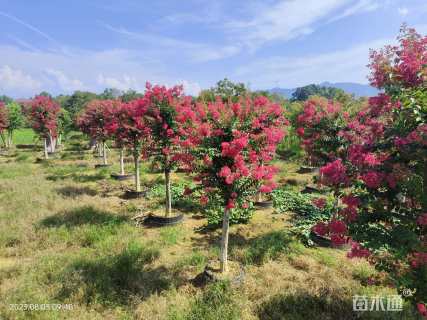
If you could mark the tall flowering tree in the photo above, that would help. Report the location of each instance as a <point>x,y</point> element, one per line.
<point>318,127</point>
<point>43,115</point>
<point>94,121</point>
<point>233,143</point>
<point>129,128</point>
<point>382,175</point>
<point>161,112</point>
<point>4,122</point>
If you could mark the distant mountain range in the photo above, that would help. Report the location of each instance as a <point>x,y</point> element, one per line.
<point>358,89</point>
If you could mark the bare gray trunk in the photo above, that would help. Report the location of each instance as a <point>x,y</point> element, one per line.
<point>137,180</point>
<point>100,148</point>
<point>104,153</point>
<point>168,193</point>
<point>122,162</point>
<point>9,139</point>
<point>224,241</point>
<point>46,155</point>
<point>51,144</point>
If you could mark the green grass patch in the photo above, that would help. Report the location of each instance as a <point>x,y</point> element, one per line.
<point>15,170</point>
<point>24,136</point>
<point>218,302</point>
<point>171,235</point>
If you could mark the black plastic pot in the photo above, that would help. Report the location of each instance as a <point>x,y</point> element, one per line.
<point>97,166</point>
<point>325,242</point>
<point>41,160</point>
<point>121,177</point>
<point>132,194</point>
<point>25,146</point>
<point>264,204</point>
<point>163,221</point>
<point>307,169</point>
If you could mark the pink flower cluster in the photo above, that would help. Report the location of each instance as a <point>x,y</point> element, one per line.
<point>334,173</point>
<point>241,139</point>
<point>406,62</point>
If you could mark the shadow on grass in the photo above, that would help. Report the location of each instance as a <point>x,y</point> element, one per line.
<point>115,279</point>
<point>73,192</point>
<point>78,177</point>
<point>81,216</point>
<point>302,306</point>
<point>260,249</point>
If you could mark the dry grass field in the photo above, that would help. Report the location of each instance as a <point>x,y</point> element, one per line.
<point>67,237</point>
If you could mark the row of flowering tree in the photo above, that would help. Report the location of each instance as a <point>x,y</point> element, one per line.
<point>379,170</point>
<point>228,146</point>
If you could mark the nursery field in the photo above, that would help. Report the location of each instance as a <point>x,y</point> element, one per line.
<point>67,237</point>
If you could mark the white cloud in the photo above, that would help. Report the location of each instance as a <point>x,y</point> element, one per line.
<point>64,82</point>
<point>403,11</point>
<point>193,51</point>
<point>347,65</point>
<point>288,19</point>
<point>358,7</point>
<point>123,83</point>
<point>12,79</point>
<point>191,88</point>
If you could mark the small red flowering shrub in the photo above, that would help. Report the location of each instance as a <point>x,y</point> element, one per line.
<point>318,127</point>
<point>97,118</point>
<point>161,105</point>
<point>381,173</point>
<point>128,125</point>
<point>43,114</point>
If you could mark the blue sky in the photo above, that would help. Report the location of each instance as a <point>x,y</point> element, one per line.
<point>62,46</point>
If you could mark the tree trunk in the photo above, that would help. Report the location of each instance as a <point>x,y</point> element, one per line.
<point>100,152</point>
<point>122,162</point>
<point>168,193</point>
<point>9,139</point>
<point>258,197</point>
<point>137,181</point>
<point>104,153</point>
<point>46,156</point>
<point>224,241</point>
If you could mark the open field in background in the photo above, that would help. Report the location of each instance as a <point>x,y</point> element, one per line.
<point>67,237</point>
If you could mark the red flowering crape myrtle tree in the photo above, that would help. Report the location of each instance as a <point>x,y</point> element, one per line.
<point>318,127</point>
<point>94,121</point>
<point>4,123</point>
<point>234,143</point>
<point>129,128</point>
<point>161,116</point>
<point>43,115</point>
<point>382,175</point>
